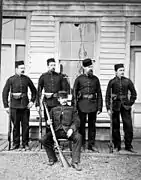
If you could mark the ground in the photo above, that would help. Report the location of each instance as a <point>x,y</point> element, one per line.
<point>33,166</point>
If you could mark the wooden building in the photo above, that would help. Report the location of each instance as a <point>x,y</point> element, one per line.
<point>105,30</point>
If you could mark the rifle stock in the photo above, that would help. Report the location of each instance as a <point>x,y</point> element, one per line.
<point>111,146</point>
<point>9,126</point>
<point>64,161</point>
<point>40,124</point>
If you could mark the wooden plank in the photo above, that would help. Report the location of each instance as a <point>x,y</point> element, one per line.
<point>113,34</point>
<point>113,23</point>
<point>46,34</point>
<point>111,60</point>
<point>42,38</point>
<point>112,46</point>
<point>41,50</point>
<point>112,55</point>
<point>113,29</point>
<point>42,44</point>
<point>41,22</point>
<point>42,28</point>
<point>112,51</point>
<point>112,40</point>
<point>4,145</point>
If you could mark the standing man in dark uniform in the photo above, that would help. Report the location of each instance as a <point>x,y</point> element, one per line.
<point>51,82</point>
<point>123,94</point>
<point>66,123</point>
<point>17,87</point>
<point>87,98</point>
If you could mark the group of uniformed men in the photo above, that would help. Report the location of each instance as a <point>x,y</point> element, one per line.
<point>69,120</point>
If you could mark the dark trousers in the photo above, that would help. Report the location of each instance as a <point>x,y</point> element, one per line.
<point>48,144</point>
<point>17,116</point>
<point>127,127</point>
<point>91,127</point>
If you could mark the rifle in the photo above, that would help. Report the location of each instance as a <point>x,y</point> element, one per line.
<point>64,161</point>
<point>110,145</point>
<point>40,123</point>
<point>9,126</point>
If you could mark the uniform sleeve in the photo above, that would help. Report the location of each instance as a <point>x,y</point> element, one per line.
<point>99,96</point>
<point>5,93</point>
<point>76,121</point>
<point>33,90</point>
<point>75,93</point>
<point>133,95</point>
<point>39,90</point>
<point>108,96</point>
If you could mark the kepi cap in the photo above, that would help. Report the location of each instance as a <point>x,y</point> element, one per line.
<point>62,94</point>
<point>117,66</point>
<point>18,63</point>
<point>87,62</point>
<point>50,60</point>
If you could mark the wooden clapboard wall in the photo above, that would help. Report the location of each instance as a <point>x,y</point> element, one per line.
<point>113,30</point>
<point>42,47</point>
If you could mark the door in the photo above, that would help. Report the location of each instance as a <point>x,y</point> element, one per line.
<point>7,69</point>
<point>135,77</point>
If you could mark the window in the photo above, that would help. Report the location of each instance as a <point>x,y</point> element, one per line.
<point>14,32</point>
<point>136,32</point>
<point>13,28</point>
<point>77,42</point>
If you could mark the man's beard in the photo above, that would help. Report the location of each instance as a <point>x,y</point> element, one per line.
<point>90,72</point>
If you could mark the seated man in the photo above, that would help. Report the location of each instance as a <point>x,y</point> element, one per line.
<point>66,123</point>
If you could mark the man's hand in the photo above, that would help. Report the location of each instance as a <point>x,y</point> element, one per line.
<point>7,110</point>
<point>109,112</point>
<point>38,108</point>
<point>69,133</point>
<point>49,122</point>
<point>30,104</point>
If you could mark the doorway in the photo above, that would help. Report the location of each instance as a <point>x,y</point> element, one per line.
<point>135,65</point>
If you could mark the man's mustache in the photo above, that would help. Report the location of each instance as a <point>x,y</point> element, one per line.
<point>90,71</point>
<point>53,69</point>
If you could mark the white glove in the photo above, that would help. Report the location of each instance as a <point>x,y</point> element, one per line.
<point>7,110</point>
<point>30,104</point>
<point>49,121</point>
<point>69,133</point>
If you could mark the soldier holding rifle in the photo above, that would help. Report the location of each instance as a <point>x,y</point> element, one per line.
<point>66,123</point>
<point>51,82</point>
<point>123,97</point>
<point>20,105</point>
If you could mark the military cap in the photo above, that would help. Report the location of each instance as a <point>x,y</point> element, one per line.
<point>62,94</point>
<point>18,63</point>
<point>87,62</point>
<point>117,66</point>
<point>50,60</point>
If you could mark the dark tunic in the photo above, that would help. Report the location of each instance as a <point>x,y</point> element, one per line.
<point>123,93</point>
<point>87,86</point>
<point>52,82</point>
<point>18,84</point>
<point>65,117</point>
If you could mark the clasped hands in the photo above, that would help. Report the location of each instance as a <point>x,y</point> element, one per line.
<point>69,132</point>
